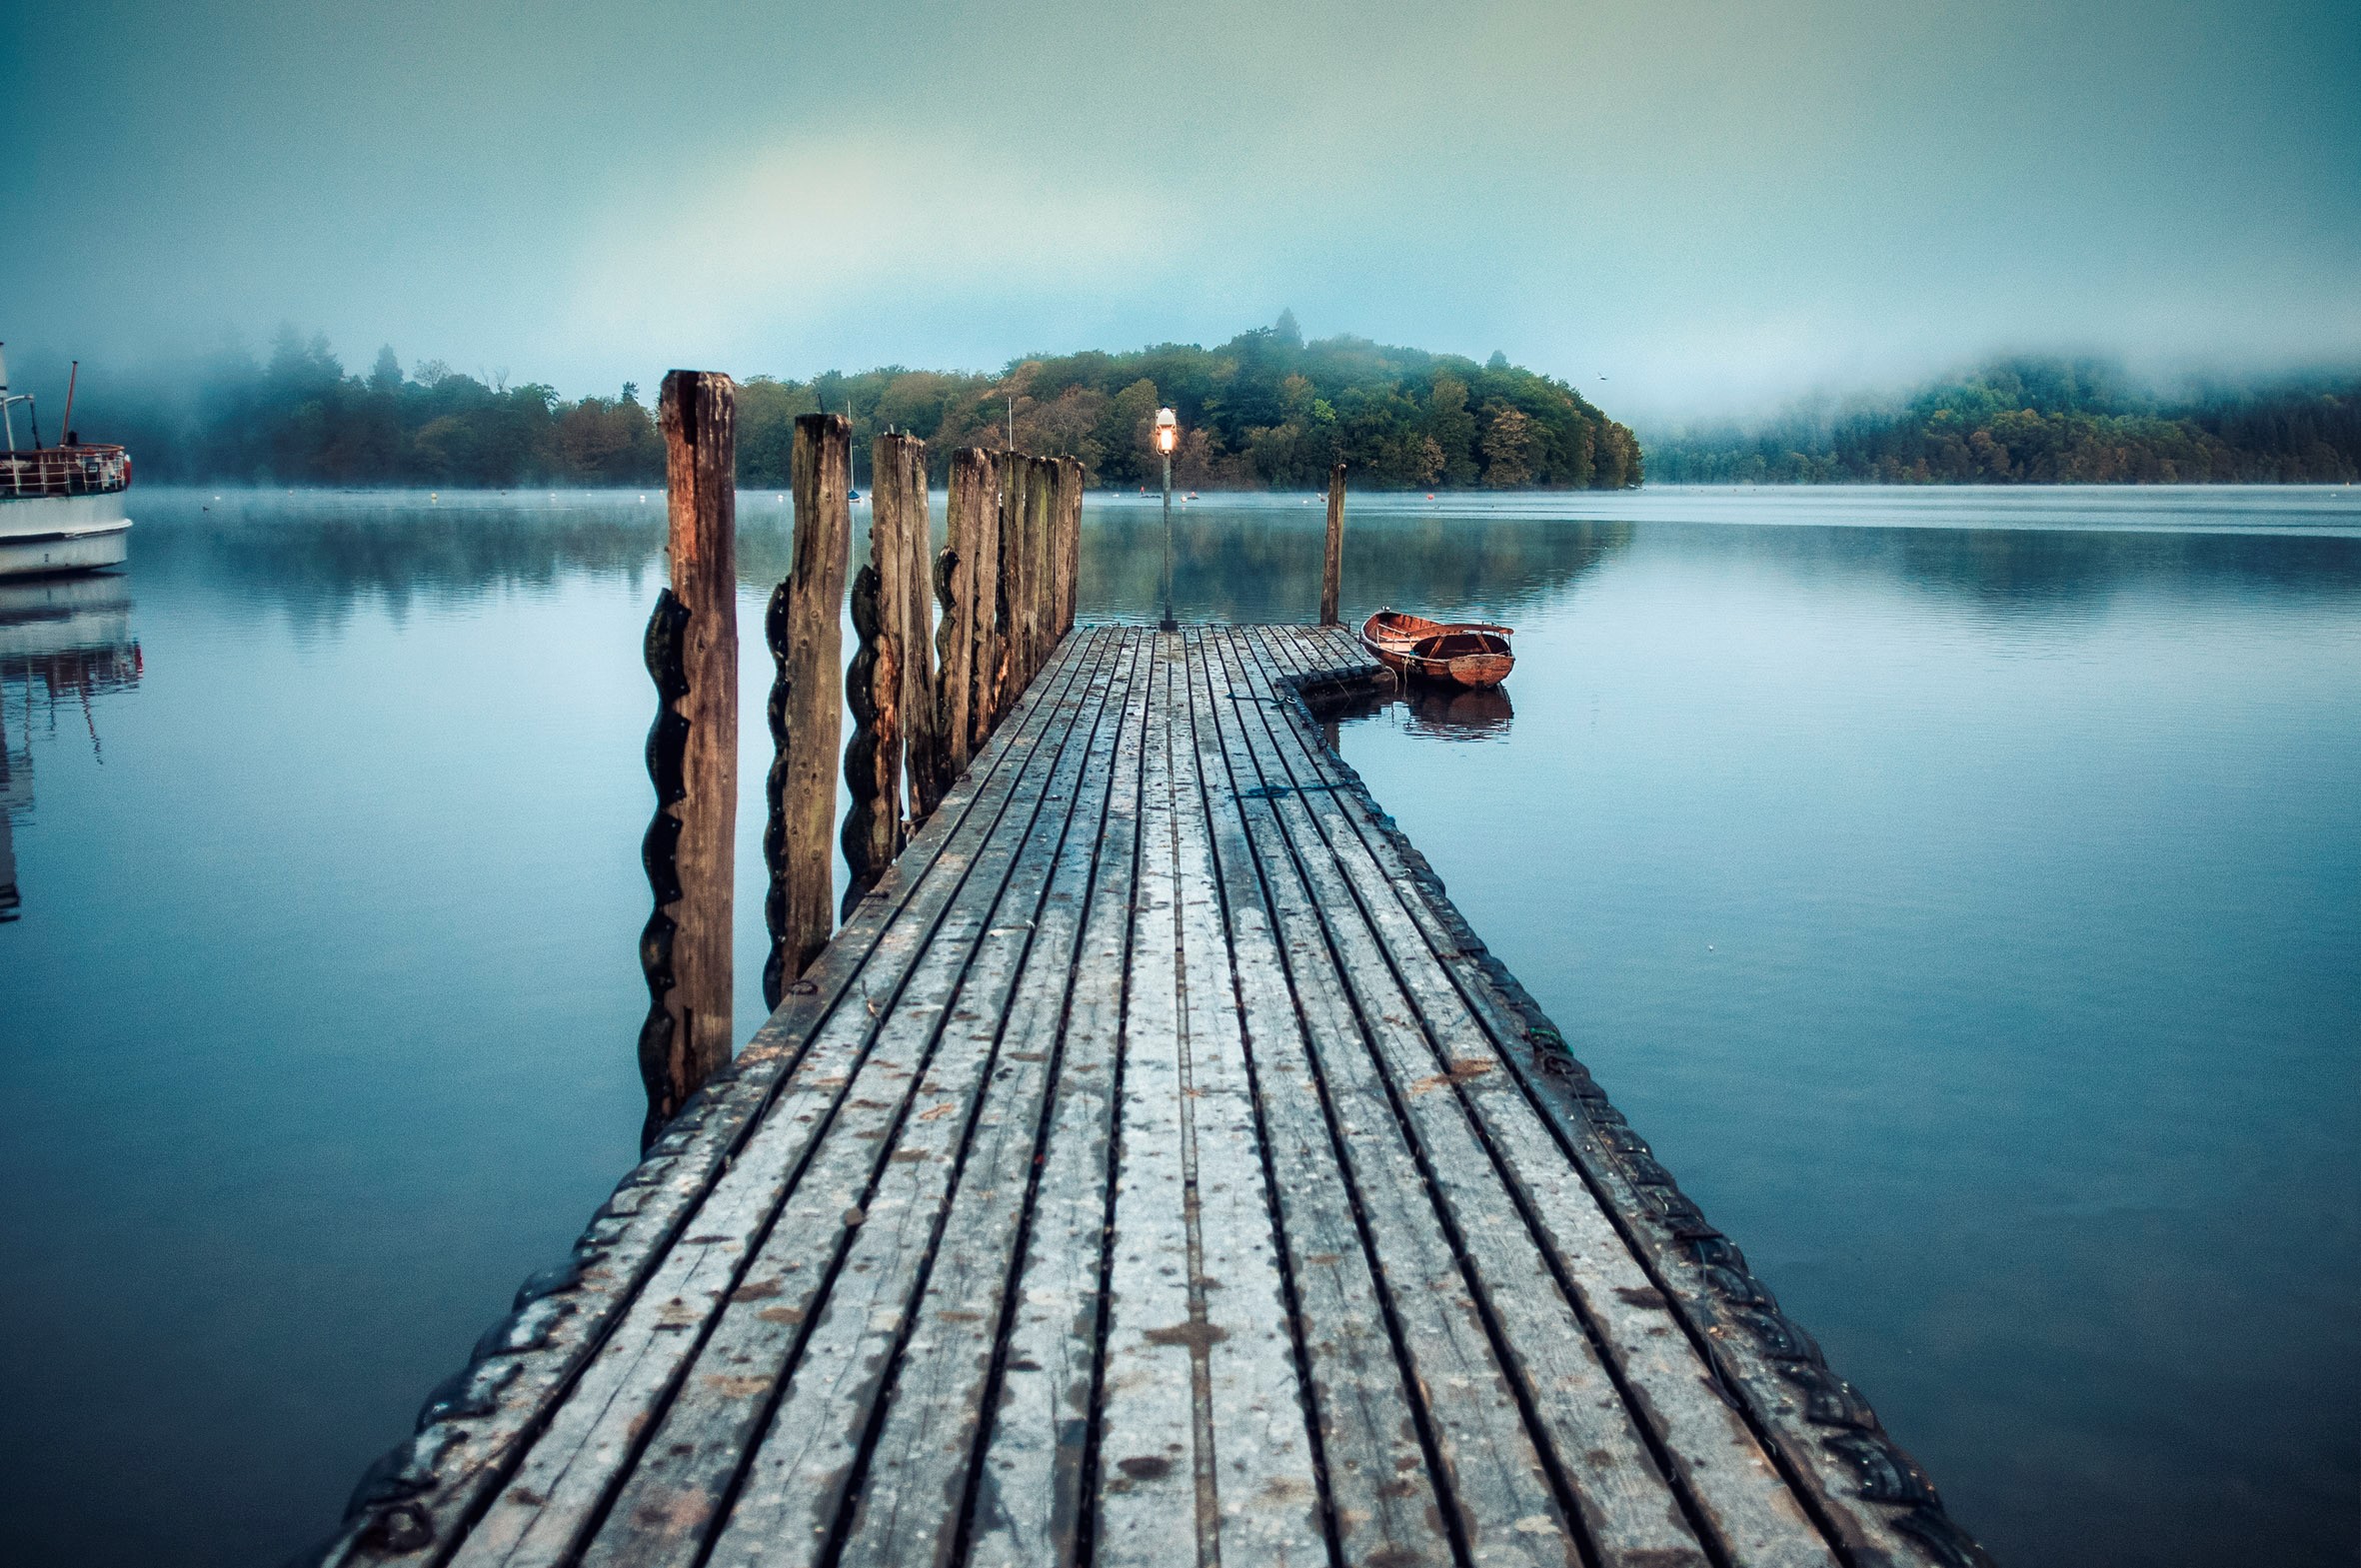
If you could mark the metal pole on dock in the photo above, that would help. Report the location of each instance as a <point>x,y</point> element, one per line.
<point>1332,571</point>
<point>692,654</point>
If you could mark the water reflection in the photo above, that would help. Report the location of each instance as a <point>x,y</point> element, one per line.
<point>2012,571</point>
<point>64,640</point>
<point>1258,558</point>
<point>1451,713</point>
<point>1813,838</point>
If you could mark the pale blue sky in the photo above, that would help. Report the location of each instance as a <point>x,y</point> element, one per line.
<point>1710,202</point>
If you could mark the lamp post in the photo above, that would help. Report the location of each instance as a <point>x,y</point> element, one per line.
<point>1167,436</point>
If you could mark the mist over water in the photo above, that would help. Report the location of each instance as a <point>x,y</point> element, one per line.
<point>1956,889</point>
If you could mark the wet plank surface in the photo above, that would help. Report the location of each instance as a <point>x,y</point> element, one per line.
<point>1155,1169</point>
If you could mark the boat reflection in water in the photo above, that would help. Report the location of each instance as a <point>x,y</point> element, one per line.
<point>1451,713</point>
<point>63,642</point>
<point>1422,707</point>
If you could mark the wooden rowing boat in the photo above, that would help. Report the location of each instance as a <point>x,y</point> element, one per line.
<point>1464,652</point>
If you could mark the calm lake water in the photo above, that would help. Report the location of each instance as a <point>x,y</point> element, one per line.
<point>1962,890</point>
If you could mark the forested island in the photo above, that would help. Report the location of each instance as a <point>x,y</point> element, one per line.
<point>2041,420</point>
<point>1264,409</point>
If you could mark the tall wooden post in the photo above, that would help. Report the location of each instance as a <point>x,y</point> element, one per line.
<point>891,685</point>
<point>807,700</point>
<point>1332,571</point>
<point>954,588</point>
<point>1069,570</point>
<point>1008,679</point>
<point>983,663</point>
<point>691,652</point>
<point>1040,535</point>
<point>897,477</point>
<point>873,690</point>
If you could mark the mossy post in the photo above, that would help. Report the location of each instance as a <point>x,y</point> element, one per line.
<point>889,686</point>
<point>1040,564</point>
<point>691,652</point>
<point>1016,487</point>
<point>899,479</point>
<point>1332,570</point>
<point>807,699</point>
<point>954,589</point>
<point>1070,535</point>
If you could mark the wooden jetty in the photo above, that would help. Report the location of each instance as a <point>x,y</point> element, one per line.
<point>1154,1169</point>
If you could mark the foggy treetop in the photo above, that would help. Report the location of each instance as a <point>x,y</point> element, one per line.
<point>2042,420</point>
<point>1266,409</point>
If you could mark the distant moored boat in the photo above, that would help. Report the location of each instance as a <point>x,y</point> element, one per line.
<point>61,508</point>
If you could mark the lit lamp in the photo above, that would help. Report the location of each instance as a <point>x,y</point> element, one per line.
<point>1167,436</point>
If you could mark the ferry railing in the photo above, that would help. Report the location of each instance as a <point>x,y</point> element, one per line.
<point>65,471</point>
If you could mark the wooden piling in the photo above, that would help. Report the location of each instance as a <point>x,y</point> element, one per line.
<point>691,650</point>
<point>954,590</point>
<point>1332,571</point>
<point>991,592</point>
<point>1070,567</point>
<point>898,478</point>
<point>1017,577</point>
<point>873,690</point>
<point>1040,491</point>
<point>890,685</point>
<point>805,702</point>
<point>1008,679</point>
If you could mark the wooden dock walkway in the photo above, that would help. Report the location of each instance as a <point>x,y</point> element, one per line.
<point>1155,1169</point>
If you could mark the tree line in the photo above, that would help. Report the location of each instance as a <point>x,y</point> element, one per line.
<point>1264,409</point>
<point>2027,420</point>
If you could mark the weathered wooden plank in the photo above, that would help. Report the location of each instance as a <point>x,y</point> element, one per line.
<point>798,1487</point>
<point>688,1034</point>
<point>1596,1450</point>
<point>1030,1504</point>
<point>1149,1504</point>
<point>1259,1415</point>
<point>1204,1439</point>
<point>413,1507</point>
<point>910,1500</point>
<point>672,1502</point>
<point>1332,570</point>
<point>1368,1396</point>
<point>1853,1482</point>
<point>807,700</point>
<point>954,590</point>
<point>1483,1462</point>
<point>576,1464</point>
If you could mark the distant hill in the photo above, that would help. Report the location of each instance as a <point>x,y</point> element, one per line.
<point>2042,422</point>
<point>1264,410</point>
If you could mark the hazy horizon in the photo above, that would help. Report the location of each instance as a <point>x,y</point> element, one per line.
<point>1688,212</point>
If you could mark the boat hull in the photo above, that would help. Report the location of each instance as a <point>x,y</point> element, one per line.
<point>1467,653</point>
<point>48,533</point>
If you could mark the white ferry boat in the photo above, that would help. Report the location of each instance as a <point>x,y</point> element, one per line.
<point>61,508</point>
